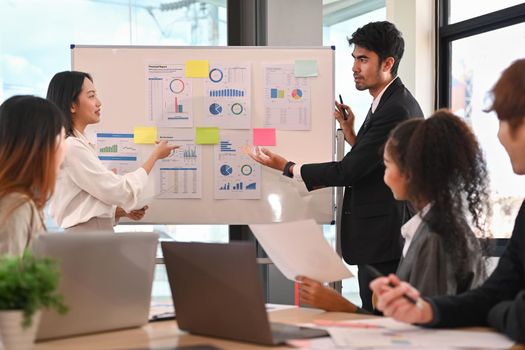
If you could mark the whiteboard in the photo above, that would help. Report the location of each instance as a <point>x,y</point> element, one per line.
<point>119,77</point>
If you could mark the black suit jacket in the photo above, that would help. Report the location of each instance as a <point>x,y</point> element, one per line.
<point>500,301</point>
<point>371,219</point>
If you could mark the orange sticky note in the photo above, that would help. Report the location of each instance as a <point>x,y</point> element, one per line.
<point>264,137</point>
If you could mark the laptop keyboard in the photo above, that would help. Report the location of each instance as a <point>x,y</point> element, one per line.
<point>283,331</point>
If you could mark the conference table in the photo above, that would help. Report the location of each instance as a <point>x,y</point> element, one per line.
<point>164,335</point>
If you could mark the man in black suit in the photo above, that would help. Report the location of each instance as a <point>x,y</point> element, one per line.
<point>500,301</point>
<point>371,217</point>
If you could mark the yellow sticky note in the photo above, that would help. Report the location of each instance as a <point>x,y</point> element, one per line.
<point>145,134</point>
<point>197,69</point>
<point>207,136</point>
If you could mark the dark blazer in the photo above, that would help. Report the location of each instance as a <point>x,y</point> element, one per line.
<point>428,267</point>
<point>371,217</point>
<point>500,301</point>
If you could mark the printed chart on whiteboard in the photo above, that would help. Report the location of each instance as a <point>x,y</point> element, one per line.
<point>287,99</point>
<point>237,176</point>
<point>227,91</point>
<point>180,175</point>
<point>168,95</point>
<point>117,152</point>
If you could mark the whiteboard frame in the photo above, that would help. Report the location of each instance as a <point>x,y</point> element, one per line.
<point>287,199</point>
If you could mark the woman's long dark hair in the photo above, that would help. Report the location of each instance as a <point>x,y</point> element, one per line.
<point>63,90</point>
<point>445,166</point>
<point>29,127</point>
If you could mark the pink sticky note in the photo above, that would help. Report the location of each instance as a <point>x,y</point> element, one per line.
<point>264,137</point>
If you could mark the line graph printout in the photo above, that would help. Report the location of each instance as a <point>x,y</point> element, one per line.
<point>168,95</point>
<point>237,176</point>
<point>227,96</point>
<point>180,175</point>
<point>287,99</point>
<point>117,152</point>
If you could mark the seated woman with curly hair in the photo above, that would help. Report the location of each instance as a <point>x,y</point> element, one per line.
<point>438,166</point>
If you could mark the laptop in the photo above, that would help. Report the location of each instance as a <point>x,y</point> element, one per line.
<point>217,292</point>
<point>106,280</point>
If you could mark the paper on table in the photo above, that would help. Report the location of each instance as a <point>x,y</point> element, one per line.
<point>299,248</point>
<point>389,332</point>
<point>324,343</point>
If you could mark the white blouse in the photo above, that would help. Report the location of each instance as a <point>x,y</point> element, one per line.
<point>85,188</point>
<point>409,229</point>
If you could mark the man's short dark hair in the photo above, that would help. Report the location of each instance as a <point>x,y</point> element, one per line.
<point>383,38</point>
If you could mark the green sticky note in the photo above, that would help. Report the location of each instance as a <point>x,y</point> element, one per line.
<point>197,68</point>
<point>207,136</point>
<point>305,68</point>
<point>145,134</point>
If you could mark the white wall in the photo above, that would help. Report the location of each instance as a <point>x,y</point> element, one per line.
<point>415,19</point>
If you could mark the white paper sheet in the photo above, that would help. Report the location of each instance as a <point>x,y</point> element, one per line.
<point>117,152</point>
<point>237,176</point>
<point>287,99</point>
<point>386,332</point>
<point>168,95</point>
<point>180,175</point>
<point>299,248</point>
<point>228,96</point>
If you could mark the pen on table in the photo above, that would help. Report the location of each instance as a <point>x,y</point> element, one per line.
<point>374,272</point>
<point>345,116</point>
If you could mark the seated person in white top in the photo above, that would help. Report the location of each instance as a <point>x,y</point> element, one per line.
<point>32,147</point>
<point>88,196</point>
<point>437,165</point>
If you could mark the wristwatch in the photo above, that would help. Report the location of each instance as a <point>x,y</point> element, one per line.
<point>286,170</point>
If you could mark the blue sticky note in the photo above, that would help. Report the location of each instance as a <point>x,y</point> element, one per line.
<point>305,68</point>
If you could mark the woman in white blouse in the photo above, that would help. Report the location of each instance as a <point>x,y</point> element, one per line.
<point>87,195</point>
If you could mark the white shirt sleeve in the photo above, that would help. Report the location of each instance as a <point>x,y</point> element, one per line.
<point>88,173</point>
<point>297,172</point>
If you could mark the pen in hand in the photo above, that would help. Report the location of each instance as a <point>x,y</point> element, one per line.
<point>376,274</point>
<point>345,116</point>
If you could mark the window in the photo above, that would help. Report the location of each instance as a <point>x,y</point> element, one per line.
<point>472,55</point>
<point>35,44</point>
<point>461,10</point>
<point>36,35</point>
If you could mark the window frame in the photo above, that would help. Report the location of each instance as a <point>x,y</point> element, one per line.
<point>446,34</point>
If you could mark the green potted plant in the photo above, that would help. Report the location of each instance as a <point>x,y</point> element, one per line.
<point>27,284</point>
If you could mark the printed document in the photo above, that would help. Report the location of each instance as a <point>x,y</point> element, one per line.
<point>299,248</point>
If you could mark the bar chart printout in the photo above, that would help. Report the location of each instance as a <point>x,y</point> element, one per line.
<point>237,176</point>
<point>287,99</point>
<point>168,95</point>
<point>227,96</point>
<point>117,152</point>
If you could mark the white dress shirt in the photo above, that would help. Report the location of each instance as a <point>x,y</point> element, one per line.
<point>376,100</point>
<point>409,229</point>
<point>85,188</point>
